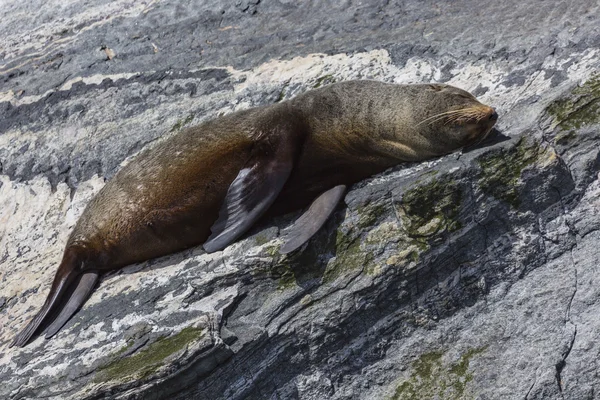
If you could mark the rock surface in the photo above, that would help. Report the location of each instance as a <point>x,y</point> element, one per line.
<point>474,276</point>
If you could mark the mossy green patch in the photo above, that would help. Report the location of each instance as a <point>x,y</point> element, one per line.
<point>182,122</point>
<point>430,378</point>
<point>432,208</point>
<point>581,107</point>
<point>428,174</point>
<point>294,269</point>
<point>285,275</point>
<point>123,349</point>
<point>287,279</point>
<point>501,172</point>
<point>261,239</point>
<point>324,80</point>
<point>282,93</point>
<point>273,251</point>
<point>369,214</point>
<point>428,212</point>
<point>349,256</point>
<point>145,362</point>
<point>276,269</point>
<point>383,233</point>
<point>565,137</point>
<point>351,252</point>
<point>461,369</point>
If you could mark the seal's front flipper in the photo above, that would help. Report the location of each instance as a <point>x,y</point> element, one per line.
<point>253,191</point>
<point>248,197</point>
<point>80,294</point>
<point>312,220</point>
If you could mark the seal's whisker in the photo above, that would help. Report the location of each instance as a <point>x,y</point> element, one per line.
<point>457,116</point>
<point>439,118</point>
<point>436,116</point>
<point>461,114</point>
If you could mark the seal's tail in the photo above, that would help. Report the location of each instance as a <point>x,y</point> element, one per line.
<point>71,287</point>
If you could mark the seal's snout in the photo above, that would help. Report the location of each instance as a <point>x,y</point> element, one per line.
<point>493,115</point>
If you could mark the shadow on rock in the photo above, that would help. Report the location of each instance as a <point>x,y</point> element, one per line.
<point>493,138</point>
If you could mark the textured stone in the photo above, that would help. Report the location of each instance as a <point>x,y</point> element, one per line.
<point>472,276</point>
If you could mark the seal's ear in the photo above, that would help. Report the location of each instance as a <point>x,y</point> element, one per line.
<point>254,189</point>
<point>312,220</point>
<point>436,87</point>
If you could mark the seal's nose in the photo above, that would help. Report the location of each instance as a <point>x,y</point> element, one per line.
<point>493,115</point>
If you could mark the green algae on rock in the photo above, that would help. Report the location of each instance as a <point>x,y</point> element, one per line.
<point>501,171</point>
<point>431,378</point>
<point>324,80</point>
<point>285,275</point>
<point>431,208</point>
<point>282,93</point>
<point>427,212</point>
<point>181,123</point>
<point>349,258</point>
<point>350,251</point>
<point>581,107</point>
<point>261,239</point>
<point>147,361</point>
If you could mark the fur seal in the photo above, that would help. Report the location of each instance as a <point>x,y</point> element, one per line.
<point>210,183</point>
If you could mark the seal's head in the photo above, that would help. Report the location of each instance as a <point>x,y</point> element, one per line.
<point>452,118</point>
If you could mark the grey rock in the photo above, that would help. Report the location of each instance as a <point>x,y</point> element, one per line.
<point>473,276</point>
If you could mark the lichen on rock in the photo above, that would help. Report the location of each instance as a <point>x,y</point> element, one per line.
<point>580,108</point>
<point>501,171</point>
<point>144,363</point>
<point>431,378</point>
<point>431,208</point>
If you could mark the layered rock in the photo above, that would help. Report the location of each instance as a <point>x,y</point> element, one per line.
<point>469,276</point>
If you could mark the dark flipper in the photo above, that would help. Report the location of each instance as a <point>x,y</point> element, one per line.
<point>68,271</point>
<point>254,190</point>
<point>312,220</point>
<point>80,294</point>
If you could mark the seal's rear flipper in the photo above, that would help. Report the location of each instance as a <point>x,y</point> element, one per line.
<point>254,190</point>
<point>80,294</point>
<point>68,271</point>
<point>312,220</point>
